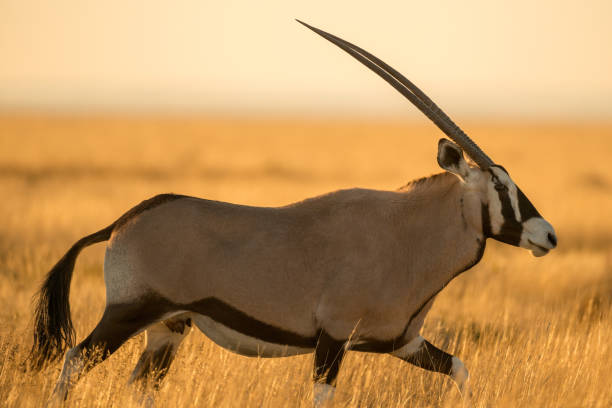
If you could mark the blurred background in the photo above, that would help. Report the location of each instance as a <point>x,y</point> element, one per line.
<point>106,103</point>
<point>542,59</point>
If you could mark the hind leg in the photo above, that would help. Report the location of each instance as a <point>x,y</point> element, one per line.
<point>118,324</point>
<point>163,339</point>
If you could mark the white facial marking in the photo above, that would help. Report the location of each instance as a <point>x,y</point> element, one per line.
<point>410,348</point>
<point>514,201</point>
<point>535,236</point>
<point>461,376</point>
<point>495,211</point>
<point>512,191</point>
<point>495,204</point>
<point>322,393</point>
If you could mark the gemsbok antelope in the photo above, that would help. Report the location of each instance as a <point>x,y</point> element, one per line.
<point>353,269</point>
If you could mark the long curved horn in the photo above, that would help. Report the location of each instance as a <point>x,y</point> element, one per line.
<point>412,93</point>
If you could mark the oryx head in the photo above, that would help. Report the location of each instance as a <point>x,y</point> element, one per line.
<point>507,215</point>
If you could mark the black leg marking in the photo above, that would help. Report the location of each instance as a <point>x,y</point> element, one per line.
<point>241,322</point>
<point>118,324</point>
<point>431,358</point>
<point>110,333</point>
<point>328,356</point>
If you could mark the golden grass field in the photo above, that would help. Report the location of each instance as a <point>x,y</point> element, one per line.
<point>532,332</point>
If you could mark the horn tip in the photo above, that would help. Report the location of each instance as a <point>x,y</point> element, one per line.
<point>316,30</point>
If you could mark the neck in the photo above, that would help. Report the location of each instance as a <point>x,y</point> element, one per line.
<point>443,201</point>
<point>442,223</point>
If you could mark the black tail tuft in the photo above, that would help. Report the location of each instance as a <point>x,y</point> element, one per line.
<point>53,329</point>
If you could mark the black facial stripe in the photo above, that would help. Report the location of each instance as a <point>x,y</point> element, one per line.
<point>486,221</point>
<point>511,229</point>
<point>507,209</point>
<point>526,208</point>
<point>510,233</point>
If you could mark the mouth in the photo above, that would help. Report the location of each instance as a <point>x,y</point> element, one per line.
<point>538,250</point>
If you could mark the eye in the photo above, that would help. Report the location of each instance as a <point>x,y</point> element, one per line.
<point>500,187</point>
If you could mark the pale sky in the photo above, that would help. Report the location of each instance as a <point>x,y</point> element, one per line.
<point>521,58</point>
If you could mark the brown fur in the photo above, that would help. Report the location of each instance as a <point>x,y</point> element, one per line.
<point>350,258</point>
<point>358,268</point>
<point>145,205</point>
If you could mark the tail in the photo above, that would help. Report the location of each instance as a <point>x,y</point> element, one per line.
<point>53,330</point>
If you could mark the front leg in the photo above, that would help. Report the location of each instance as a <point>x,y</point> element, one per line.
<point>328,356</point>
<point>423,354</point>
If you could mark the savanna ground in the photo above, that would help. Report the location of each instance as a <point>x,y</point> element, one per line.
<point>532,332</point>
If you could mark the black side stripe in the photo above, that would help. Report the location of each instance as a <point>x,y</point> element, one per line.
<point>241,322</point>
<point>221,312</point>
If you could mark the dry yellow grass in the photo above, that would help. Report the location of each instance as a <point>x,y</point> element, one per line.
<point>533,332</point>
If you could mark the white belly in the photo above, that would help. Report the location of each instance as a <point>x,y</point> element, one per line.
<point>241,344</point>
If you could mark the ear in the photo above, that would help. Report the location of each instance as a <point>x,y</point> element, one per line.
<point>450,158</point>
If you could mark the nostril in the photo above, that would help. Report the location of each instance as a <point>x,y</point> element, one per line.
<point>552,239</point>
